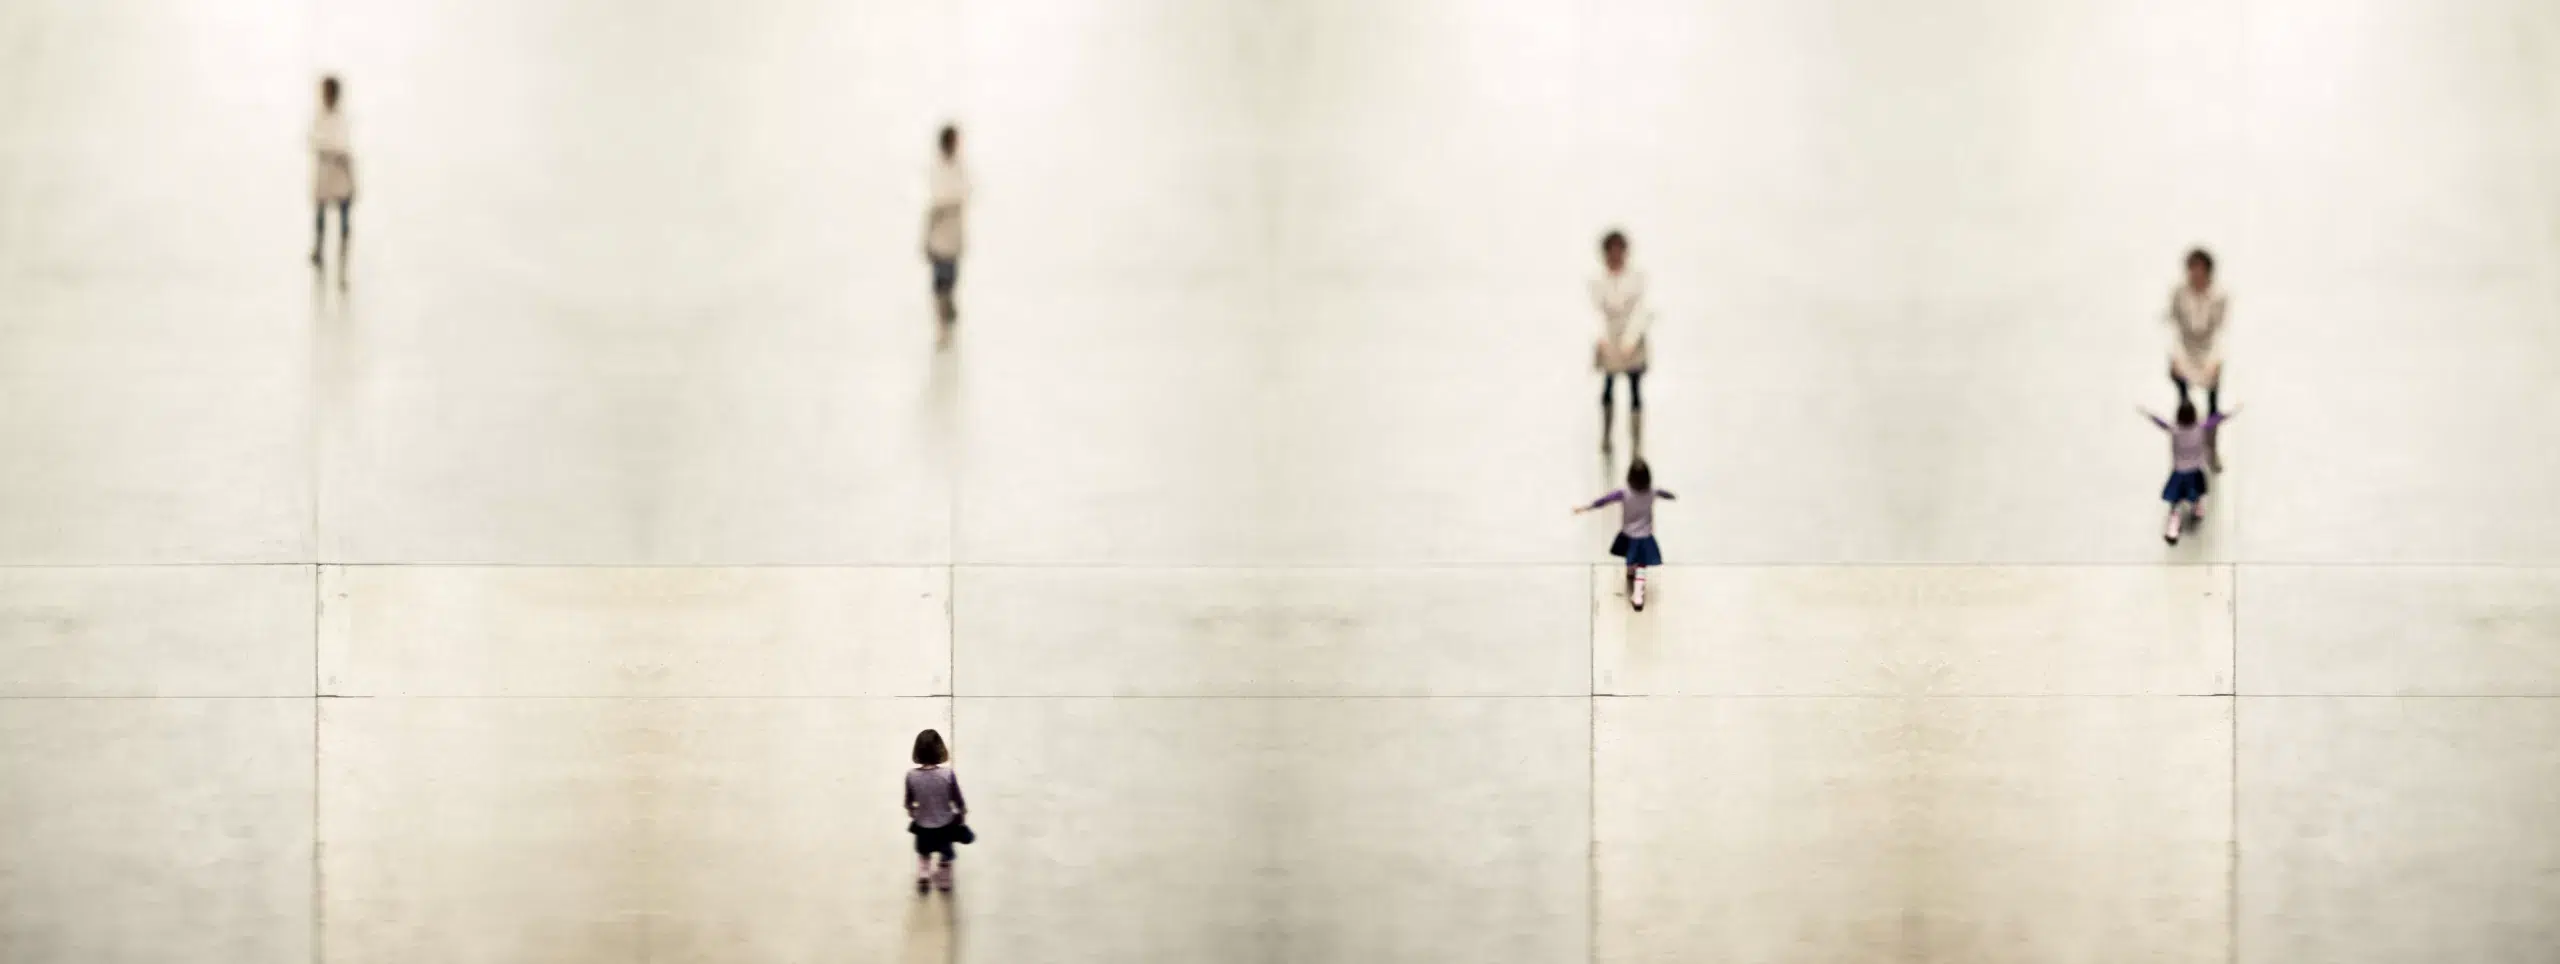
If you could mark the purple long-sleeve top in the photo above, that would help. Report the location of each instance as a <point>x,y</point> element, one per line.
<point>2189,444</point>
<point>933,796</point>
<point>1635,510</point>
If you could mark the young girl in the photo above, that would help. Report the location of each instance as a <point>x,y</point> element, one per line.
<point>1624,318</point>
<point>935,811</point>
<point>1635,527</point>
<point>333,173</point>
<point>948,185</point>
<point>2197,310</point>
<point>2188,443</point>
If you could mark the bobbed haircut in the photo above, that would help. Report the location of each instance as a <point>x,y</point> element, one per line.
<point>2186,412</point>
<point>949,138</point>
<point>1639,476</point>
<point>1614,239</point>
<point>2201,257</point>
<point>929,749</point>
<point>329,88</point>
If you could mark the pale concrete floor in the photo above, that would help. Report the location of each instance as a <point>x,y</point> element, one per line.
<point>567,587</point>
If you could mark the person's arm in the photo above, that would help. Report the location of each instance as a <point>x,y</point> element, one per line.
<point>2218,418</point>
<point>1613,496</point>
<point>2155,420</point>
<point>911,796</point>
<point>1665,494</point>
<point>959,804</point>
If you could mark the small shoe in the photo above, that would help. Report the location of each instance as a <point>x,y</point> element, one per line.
<point>924,879</point>
<point>1635,596</point>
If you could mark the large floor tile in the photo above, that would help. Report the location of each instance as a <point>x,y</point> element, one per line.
<point>2388,829</point>
<point>152,368</point>
<point>152,423</point>
<point>1277,829</point>
<point>1942,630</point>
<point>1496,631</point>
<point>2400,631</point>
<point>465,830</point>
<point>1946,829</point>
<point>686,455</point>
<point>142,831</point>
<point>518,631</point>
<point>2444,467</point>
<point>157,631</point>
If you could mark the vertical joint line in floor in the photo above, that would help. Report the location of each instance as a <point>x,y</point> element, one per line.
<point>2231,881</point>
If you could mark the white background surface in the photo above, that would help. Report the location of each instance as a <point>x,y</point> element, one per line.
<point>567,586</point>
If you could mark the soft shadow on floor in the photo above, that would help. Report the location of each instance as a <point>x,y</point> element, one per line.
<point>932,931</point>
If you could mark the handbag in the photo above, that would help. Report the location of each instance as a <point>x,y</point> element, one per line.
<point>960,833</point>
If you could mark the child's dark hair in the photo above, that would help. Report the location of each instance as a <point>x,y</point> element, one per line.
<point>2200,258</point>
<point>949,138</point>
<point>929,749</point>
<point>1639,476</point>
<point>329,89</point>
<point>2186,412</point>
<point>1613,239</point>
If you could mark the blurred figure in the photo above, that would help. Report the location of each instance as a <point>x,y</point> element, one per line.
<point>333,174</point>
<point>949,187</point>
<point>2197,310</point>
<point>936,813</point>
<point>1621,351</point>
<point>2188,443</point>
<point>1635,542</point>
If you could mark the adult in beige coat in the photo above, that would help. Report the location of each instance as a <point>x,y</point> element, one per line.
<point>1620,351</point>
<point>948,184</point>
<point>333,173</point>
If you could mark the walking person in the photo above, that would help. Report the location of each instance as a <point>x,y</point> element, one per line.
<point>2198,310</point>
<point>948,185</point>
<point>333,173</point>
<point>2189,443</point>
<point>1635,542</point>
<point>936,813</point>
<point>1621,351</point>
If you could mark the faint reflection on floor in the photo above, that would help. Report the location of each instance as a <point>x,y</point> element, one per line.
<point>930,931</point>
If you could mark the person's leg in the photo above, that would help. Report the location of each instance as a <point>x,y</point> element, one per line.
<point>1635,586</point>
<point>2178,380</point>
<point>2213,434</point>
<point>319,229</point>
<point>346,233</point>
<point>1608,406</point>
<point>1635,410</point>
<point>946,276</point>
<point>942,876</point>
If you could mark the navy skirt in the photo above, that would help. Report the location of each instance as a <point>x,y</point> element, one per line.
<point>2185,486</point>
<point>1637,550</point>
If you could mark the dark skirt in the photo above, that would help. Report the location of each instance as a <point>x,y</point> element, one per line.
<point>938,840</point>
<point>2184,486</point>
<point>1637,550</point>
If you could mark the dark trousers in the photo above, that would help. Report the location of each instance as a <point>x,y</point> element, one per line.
<point>2212,395</point>
<point>1635,390</point>
<point>320,222</point>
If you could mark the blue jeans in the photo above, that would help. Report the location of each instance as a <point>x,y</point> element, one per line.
<point>946,275</point>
